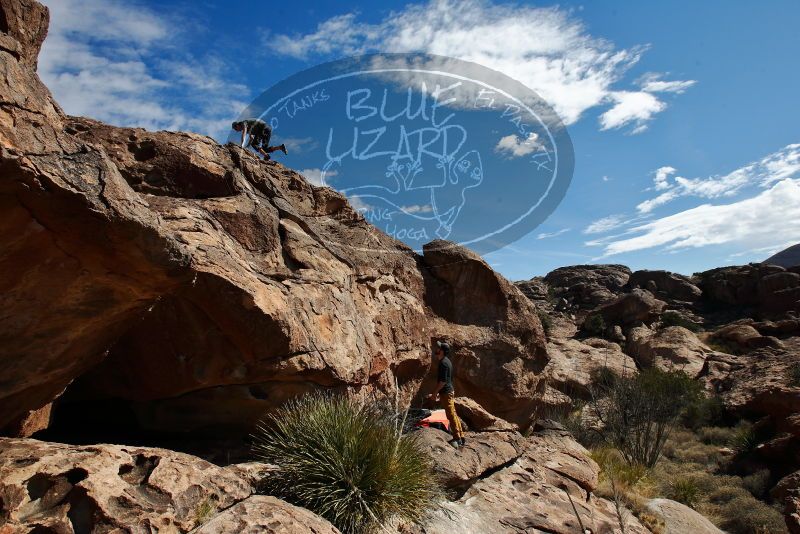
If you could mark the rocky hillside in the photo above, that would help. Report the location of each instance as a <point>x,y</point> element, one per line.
<point>163,292</point>
<point>789,257</point>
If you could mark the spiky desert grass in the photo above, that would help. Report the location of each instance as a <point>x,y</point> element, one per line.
<point>348,461</point>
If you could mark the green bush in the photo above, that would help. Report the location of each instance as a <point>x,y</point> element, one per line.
<point>714,435</point>
<point>705,412</point>
<point>673,318</point>
<point>638,412</point>
<point>547,322</point>
<point>595,324</point>
<point>347,461</point>
<point>685,490</point>
<point>745,439</point>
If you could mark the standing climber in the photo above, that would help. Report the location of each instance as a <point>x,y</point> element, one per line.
<point>260,134</point>
<point>445,393</point>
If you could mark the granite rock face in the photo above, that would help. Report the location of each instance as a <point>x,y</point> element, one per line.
<point>201,286</point>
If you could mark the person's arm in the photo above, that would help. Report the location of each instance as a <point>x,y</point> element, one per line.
<point>244,132</point>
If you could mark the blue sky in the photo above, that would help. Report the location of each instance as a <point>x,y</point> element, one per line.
<point>684,116</point>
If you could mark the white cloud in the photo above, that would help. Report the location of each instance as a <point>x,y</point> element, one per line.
<point>606,224</point>
<point>768,219</point>
<point>417,208</point>
<point>775,167</point>
<point>514,146</point>
<point>662,175</point>
<point>547,49</point>
<point>315,176</point>
<point>546,235</point>
<point>636,108</point>
<point>652,83</point>
<point>116,61</point>
<point>358,204</point>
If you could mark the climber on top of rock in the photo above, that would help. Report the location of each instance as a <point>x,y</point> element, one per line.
<point>260,134</point>
<point>445,392</point>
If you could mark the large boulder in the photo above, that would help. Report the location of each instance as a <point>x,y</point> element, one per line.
<point>631,309</point>
<point>573,362</point>
<point>679,518</point>
<point>666,285</point>
<point>261,514</point>
<point>478,419</point>
<point>484,452</point>
<point>535,493</point>
<point>742,337</point>
<point>588,286</point>
<point>787,491</point>
<point>195,287</point>
<point>671,348</point>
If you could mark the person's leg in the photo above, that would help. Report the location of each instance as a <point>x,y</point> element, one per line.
<point>452,416</point>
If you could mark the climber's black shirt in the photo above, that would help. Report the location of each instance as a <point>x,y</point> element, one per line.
<point>446,375</point>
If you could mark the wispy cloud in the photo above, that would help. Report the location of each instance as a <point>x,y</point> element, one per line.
<point>606,224</point>
<point>548,235</point>
<point>417,208</point>
<point>775,167</point>
<point>768,219</point>
<point>547,49</point>
<point>116,61</point>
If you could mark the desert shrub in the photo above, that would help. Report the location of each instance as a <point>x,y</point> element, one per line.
<point>673,318</point>
<point>347,461</point>
<point>745,514</point>
<point>794,374</point>
<point>758,483</point>
<point>595,324</point>
<point>705,411</point>
<point>638,412</point>
<point>714,435</point>
<point>745,439</point>
<point>544,318</point>
<point>685,490</point>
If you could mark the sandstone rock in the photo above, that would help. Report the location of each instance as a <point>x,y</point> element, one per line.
<point>667,285</point>
<point>484,452</point>
<point>680,519</point>
<point>478,419</point>
<point>536,289</point>
<point>201,287</point>
<point>769,288</point>
<point>671,348</point>
<point>588,286</point>
<point>638,306</point>
<point>572,363</point>
<point>744,337</point>
<point>533,495</point>
<point>99,488</point>
<point>787,491</point>
<point>262,514</point>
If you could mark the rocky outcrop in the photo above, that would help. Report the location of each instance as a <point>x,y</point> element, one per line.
<point>770,289</point>
<point>266,515</point>
<point>99,488</point>
<point>536,493</point>
<point>588,286</point>
<point>671,348</point>
<point>199,287</point>
<point>742,337</point>
<point>484,453</point>
<point>787,491</point>
<point>631,309</point>
<point>665,285</point>
<point>679,518</point>
<point>573,362</point>
<point>478,419</point>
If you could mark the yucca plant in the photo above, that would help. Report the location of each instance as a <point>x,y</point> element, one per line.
<point>346,460</point>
